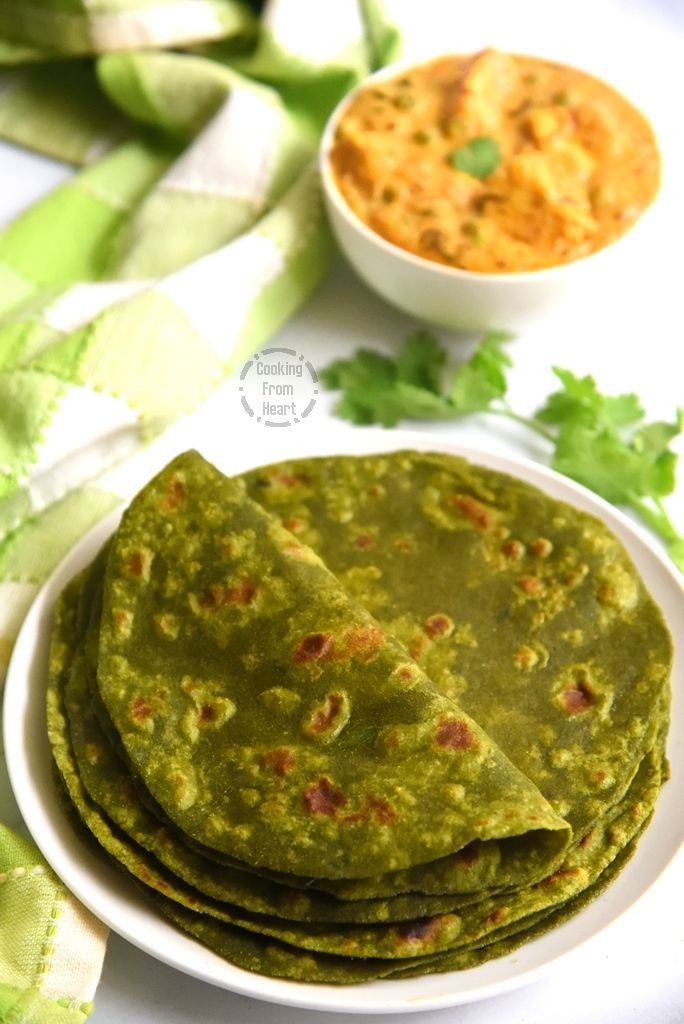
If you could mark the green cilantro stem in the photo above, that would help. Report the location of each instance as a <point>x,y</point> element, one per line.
<point>526,421</point>
<point>657,518</point>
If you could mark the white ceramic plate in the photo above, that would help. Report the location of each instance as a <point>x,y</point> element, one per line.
<point>114,899</point>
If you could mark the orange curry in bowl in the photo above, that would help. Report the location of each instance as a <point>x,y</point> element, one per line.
<point>495,163</point>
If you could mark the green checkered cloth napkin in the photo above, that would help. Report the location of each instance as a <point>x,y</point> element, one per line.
<point>192,231</point>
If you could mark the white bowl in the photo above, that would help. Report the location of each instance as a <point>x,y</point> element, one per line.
<point>448,296</point>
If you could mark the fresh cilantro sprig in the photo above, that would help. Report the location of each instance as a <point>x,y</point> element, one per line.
<point>379,389</point>
<point>599,440</point>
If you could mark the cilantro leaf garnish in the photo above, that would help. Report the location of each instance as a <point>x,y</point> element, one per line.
<point>478,158</point>
<point>482,379</point>
<point>599,440</point>
<point>580,401</point>
<point>377,389</point>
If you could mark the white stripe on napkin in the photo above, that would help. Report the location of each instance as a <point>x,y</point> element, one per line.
<point>217,291</point>
<point>70,969</point>
<point>89,429</point>
<point>15,601</point>
<point>82,302</point>
<point>314,31</point>
<point>235,153</point>
<point>161,25</point>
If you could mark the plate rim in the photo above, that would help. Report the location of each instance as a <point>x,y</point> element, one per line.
<point>26,770</point>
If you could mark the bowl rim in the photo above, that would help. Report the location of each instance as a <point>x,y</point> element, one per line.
<point>420,263</point>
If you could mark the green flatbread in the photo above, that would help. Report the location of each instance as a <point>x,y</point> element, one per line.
<point>440,939</point>
<point>269,715</point>
<point>565,894</point>
<point>526,610</point>
<point>106,781</point>
<point>356,759</point>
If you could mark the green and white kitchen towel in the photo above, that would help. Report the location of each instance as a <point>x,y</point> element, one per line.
<point>192,231</point>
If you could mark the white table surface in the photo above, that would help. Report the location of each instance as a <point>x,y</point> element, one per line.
<point>629,335</point>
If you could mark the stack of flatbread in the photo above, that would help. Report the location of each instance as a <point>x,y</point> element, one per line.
<point>360,717</point>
